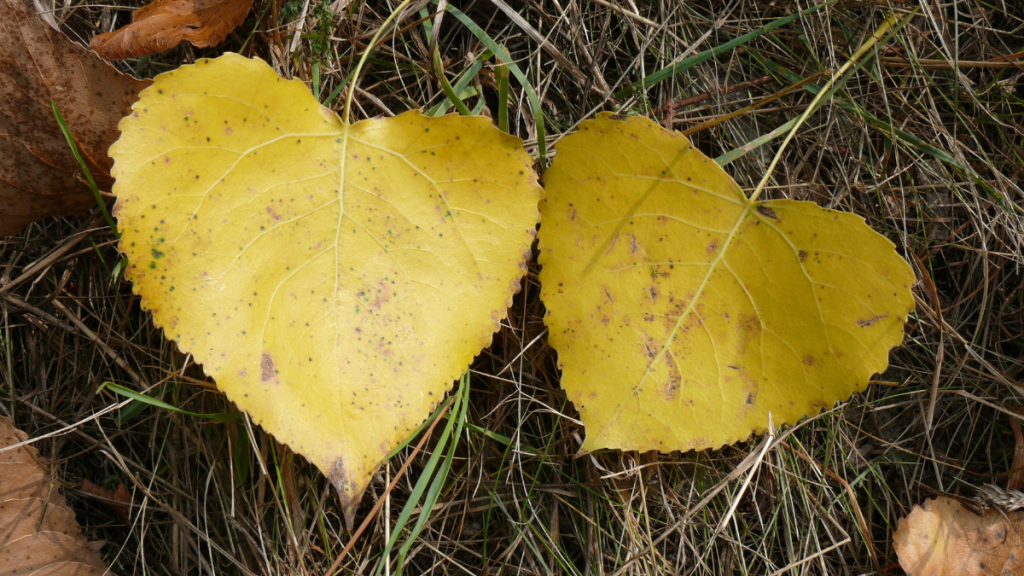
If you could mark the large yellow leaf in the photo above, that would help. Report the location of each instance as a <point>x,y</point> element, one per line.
<point>334,280</point>
<point>683,314</point>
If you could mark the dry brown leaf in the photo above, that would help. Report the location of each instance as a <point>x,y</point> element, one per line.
<point>39,176</point>
<point>38,532</point>
<point>118,499</point>
<point>163,24</point>
<point>942,538</point>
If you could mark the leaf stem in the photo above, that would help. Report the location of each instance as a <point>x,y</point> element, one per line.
<point>889,22</point>
<point>366,53</point>
<point>447,87</point>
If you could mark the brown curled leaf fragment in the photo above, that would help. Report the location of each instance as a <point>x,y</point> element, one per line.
<point>39,175</point>
<point>163,24</point>
<point>118,500</point>
<point>38,532</point>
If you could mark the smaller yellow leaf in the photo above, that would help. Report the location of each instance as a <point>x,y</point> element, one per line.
<point>942,538</point>
<point>683,313</point>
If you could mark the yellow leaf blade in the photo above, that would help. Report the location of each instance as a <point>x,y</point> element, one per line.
<point>683,314</point>
<point>334,280</point>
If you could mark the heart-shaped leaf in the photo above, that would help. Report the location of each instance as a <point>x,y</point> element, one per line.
<point>683,313</point>
<point>333,279</point>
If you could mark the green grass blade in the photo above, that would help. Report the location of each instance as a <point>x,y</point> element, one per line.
<point>316,80</point>
<point>81,162</point>
<point>426,423</point>
<point>421,484</point>
<point>692,61</point>
<point>148,400</point>
<point>439,480</point>
<point>428,26</point>
<point>502,55</point>
<point>501,74</point>
<point>460,86</point>
<point>337,90</point>
<point>478,107</point>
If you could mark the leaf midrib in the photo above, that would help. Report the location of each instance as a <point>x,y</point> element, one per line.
<point>685,314</point>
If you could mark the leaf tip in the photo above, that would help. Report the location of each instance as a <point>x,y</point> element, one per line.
<point>349,489</point>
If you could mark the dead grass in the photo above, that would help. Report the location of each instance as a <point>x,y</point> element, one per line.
<point>824,496</point>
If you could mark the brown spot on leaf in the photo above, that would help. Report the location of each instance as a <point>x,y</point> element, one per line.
<point>675,379</point>
<point>267,372</point>
<point>652,291</point>
<point>348,490</point>
<point>869,321</point>
<point>515,285</point>
<point>273,214</point>
<point>766,211</point>
<point>382,296</point>
<point>748,329</point>
<point>611,246</point>
<point>802,254</point>
<point>650,349</point>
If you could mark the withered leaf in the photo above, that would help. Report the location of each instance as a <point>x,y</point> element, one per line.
<point>942,538</point>
<point>39,176</point>
<point>38,532</point>
<point>163,24</point>
<point>117,499</point>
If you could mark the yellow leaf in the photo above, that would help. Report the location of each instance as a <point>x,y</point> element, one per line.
<point>333,279</point>
<point>683,314</point>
